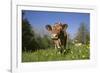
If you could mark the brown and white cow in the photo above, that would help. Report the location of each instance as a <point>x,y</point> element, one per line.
<point>58,35</point>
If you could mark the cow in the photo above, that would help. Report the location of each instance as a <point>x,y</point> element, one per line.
<point>58,35</point>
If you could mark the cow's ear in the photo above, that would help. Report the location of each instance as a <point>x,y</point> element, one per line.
<point>48,27</point>
<point>65,26</point>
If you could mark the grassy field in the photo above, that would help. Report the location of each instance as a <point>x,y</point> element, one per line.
<point>73,53</point>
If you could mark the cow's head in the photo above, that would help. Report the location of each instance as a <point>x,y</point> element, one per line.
<point>57,33</point>
<point>56,30</point>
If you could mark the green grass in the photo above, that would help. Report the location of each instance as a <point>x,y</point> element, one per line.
<point>74,53</point>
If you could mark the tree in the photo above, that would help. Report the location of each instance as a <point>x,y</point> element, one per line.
<point>27,34</point>
<point>83,35</point>
<point>30,40</point>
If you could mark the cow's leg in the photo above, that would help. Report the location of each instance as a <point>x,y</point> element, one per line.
<point>57,49</point>
<point>64,44</point>
<point>57,46</point>
<point>64,49</point>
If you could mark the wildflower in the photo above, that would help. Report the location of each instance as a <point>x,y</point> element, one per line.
<point>83,56</point>
<point>71,52</point>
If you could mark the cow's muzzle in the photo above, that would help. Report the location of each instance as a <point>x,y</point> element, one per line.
<point>54,37</point>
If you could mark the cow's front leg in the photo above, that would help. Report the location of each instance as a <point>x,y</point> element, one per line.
<point>55,47</point>
<point>60,48</point>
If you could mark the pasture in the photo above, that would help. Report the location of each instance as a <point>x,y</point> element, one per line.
<point>72,53</point>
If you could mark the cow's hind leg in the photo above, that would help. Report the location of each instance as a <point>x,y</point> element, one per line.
<point>64,45</point>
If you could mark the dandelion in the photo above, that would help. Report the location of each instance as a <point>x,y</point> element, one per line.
<point>64,50</point>
<point>71,52</point>
<point>83,56</point>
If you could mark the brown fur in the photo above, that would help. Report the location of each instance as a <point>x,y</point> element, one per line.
<point>58,34</point>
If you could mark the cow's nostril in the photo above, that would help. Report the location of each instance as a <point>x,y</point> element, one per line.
<point>54,36</point>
